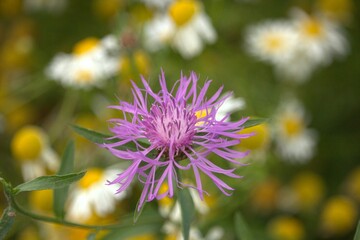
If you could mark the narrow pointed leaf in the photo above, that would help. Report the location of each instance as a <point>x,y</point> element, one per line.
<point>49,182</point>
<point>6,222</point>
<point>357,233</point>
<point>100,138</point>
<point>241,228</point>
<point>254,122</point>
<point>67,166</point>
<point>91,135</point>
<point>187,211</point>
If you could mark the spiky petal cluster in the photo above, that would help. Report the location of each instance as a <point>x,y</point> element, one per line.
<point>169,137</point>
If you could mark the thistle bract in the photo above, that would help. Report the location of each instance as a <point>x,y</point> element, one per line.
<point>171,136</point>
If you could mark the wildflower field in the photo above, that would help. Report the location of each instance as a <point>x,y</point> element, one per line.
<point>179,119</point>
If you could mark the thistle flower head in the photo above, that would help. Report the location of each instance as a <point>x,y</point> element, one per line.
<point>174,131</point>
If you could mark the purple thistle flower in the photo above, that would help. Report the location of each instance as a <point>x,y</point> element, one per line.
<point>174,133</point>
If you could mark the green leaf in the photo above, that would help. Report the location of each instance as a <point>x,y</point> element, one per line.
<point>91,135</point>
<point>6,222</point>
<point>101,138</point>
<point>67,166</point>
<point>187,211</point>
<point>357,233</point>
<point>241,228</point>
<point>254,122</point>
<point>49,182</point>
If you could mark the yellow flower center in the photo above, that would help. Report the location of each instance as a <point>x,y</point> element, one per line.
<point>339,215</point>
<point>83,76</point>
<point>273,43</point>
<point>182,11</point>
<point>92,176</point>
<point>264,196</point>
<point>200,114</point>
<point>85,46</point>
<point>166,201</point>
<point>259,141</point>
<point>292,125</point>
<point>28,143</point>
<point>41,201</point>
<point>309,189</point>
<point>312,28</point>
<point>286,228</point>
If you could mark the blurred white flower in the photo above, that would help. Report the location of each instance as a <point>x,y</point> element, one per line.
<point>30,146</point>
<point>90,195</point>
<point>295,143</point>
<point>321,39</point>
<point>229,106</point>
<point>272,41</point>
<point>90,64</point>
<point>53,6</point>
<point>185,27</point>
<point>298,46</point>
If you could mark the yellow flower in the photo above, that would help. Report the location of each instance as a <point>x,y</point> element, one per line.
<point>28,143</point>
<point>107,9</point>
<point>86,45</point>
<point>30,146</point>
<point>42,201</point>
<point>286,228</point>
<point>309,190</point>
<point>337,9</point>
<point>312,28</point>
<point>258,141</point>
<point>92,176</point>
<point>338,216</point>
<point>182,11</point>
<point>292,125</point>
<point>264,196</point>
<point>10,8</point>
<point>165,202</point>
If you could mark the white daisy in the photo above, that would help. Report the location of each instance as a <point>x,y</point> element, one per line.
<point>185,27</point>
<point>30,146</point>
<point>272,41</point>
<point>91,195</point>
<point>320,38</point>
<point>294,141</point>
<point>48,5</point>
<point>90,64</point>
<point>229,106</point>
